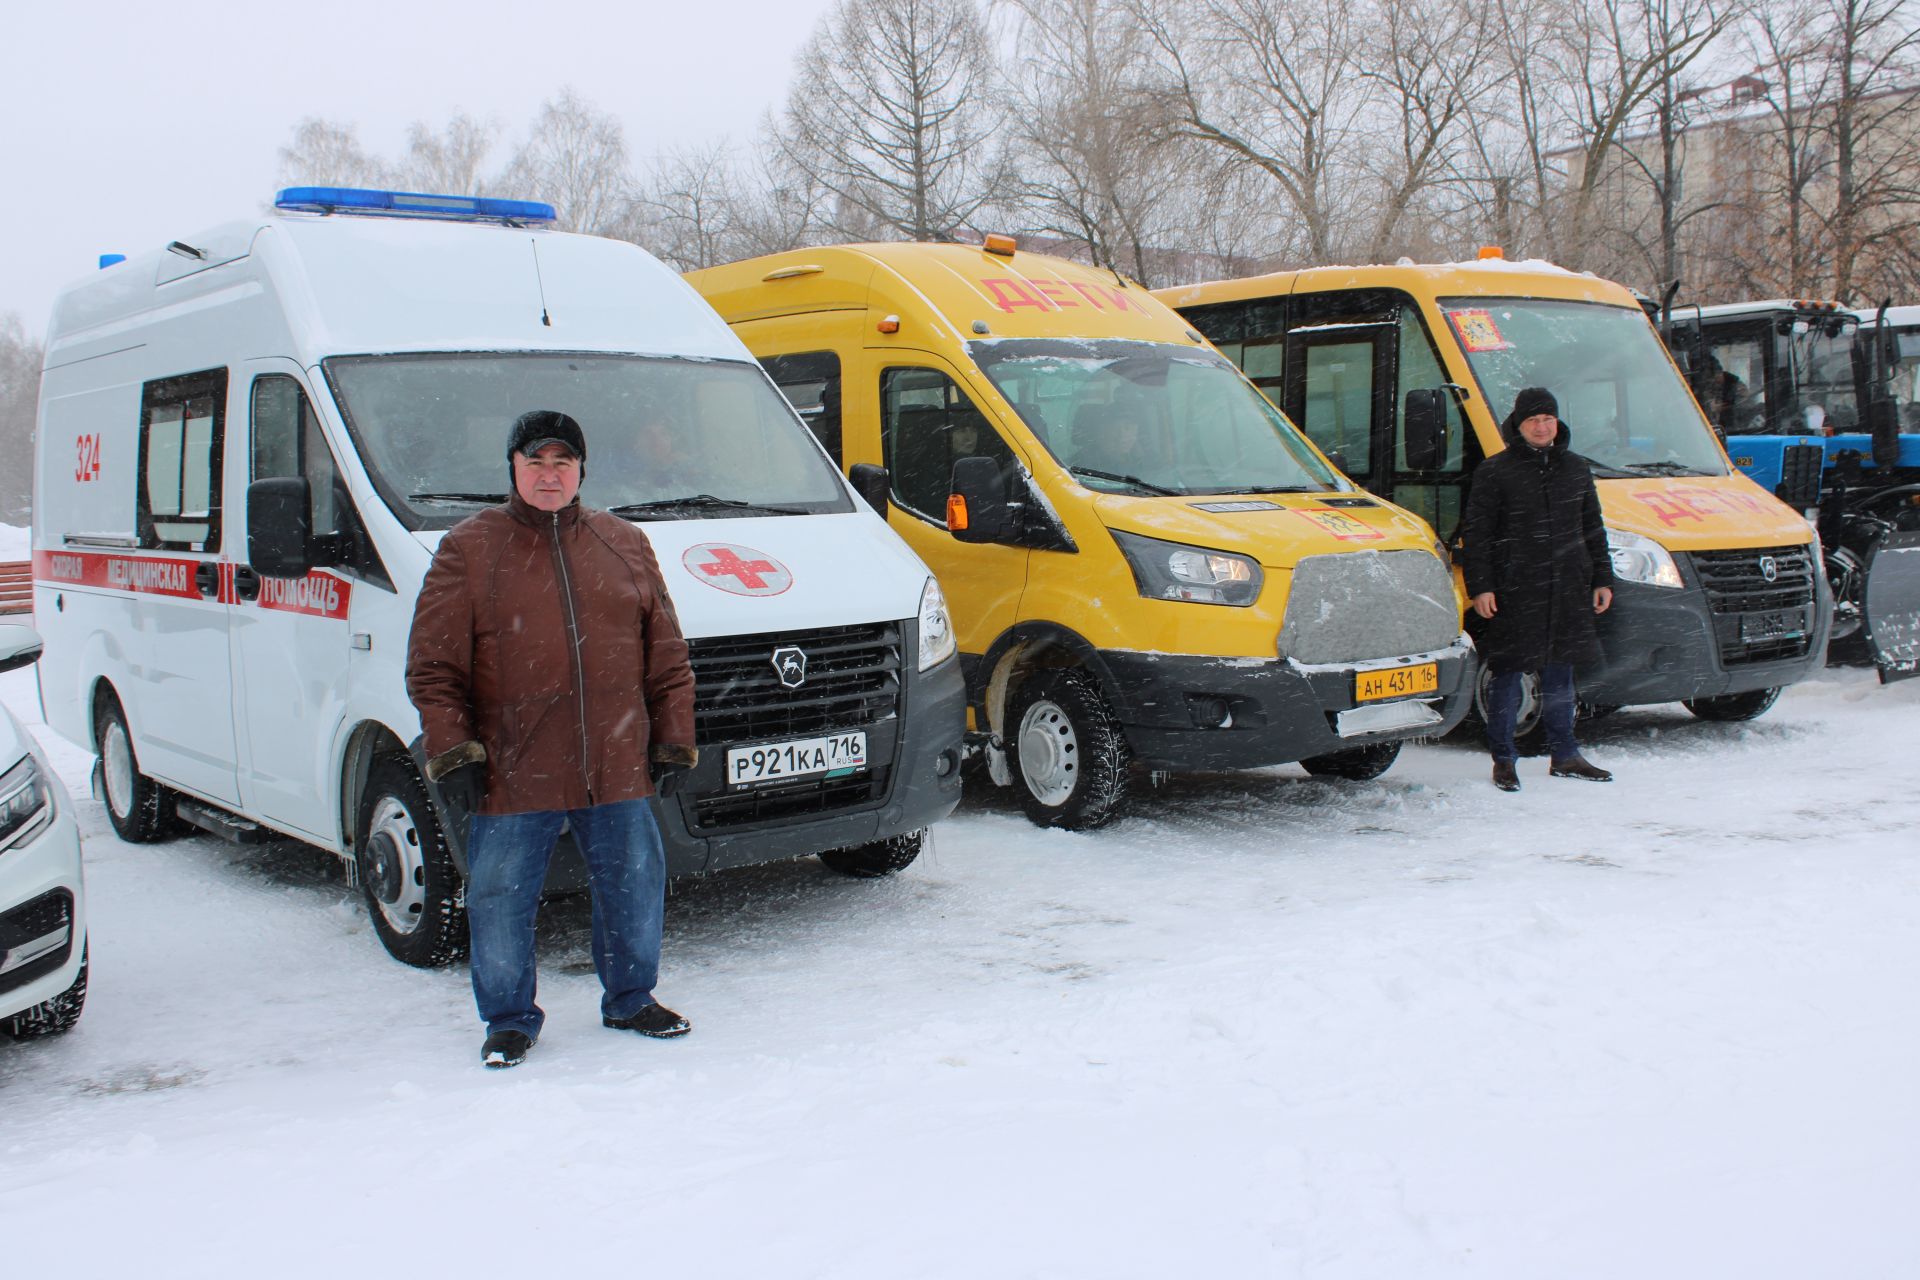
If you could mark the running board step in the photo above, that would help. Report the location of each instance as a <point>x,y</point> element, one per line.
<point>221,823</point>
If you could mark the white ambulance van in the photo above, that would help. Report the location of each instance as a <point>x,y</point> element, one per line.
<point>251,441</point>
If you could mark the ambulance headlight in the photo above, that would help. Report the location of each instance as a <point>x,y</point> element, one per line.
<point>26,802</point>
<point>1171,571</point>
<point>937,641</point>
<point>1641,559</point>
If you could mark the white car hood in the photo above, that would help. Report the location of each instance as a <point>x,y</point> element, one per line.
<point>784,573</point>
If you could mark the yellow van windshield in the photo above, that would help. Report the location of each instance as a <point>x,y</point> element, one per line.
<point>1149,417</point>
<point>1621,398</point>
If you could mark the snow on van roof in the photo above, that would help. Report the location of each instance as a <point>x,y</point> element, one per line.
<point>360,285</point>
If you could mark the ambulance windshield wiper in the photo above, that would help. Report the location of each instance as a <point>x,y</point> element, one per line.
<point>1282,488</point>
<point>1667,468</point>
<point>1118,478</point>
<point>706,502</point>
<point>481,499</point>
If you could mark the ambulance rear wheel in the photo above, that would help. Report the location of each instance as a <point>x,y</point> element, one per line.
<point>139,808</point>
<point>1356,764</point>
<point>406,870</point>
<point>1732,707</point>
<point>1067,752</point>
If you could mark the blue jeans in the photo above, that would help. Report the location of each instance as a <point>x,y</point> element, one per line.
<point>507,859</point>
<point>1556,712</point>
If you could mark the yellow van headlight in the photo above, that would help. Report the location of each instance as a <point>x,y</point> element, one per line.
<point>937,641</point>
<point>1172,571</point>
<point>1641,559</point>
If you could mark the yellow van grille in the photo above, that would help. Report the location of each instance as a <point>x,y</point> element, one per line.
<point>1356,606</point>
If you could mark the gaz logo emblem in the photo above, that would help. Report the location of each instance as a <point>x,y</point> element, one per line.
<point>87,466</point>
<point>740,570</point>
<point>1769,568</point>
<point>790,664</point>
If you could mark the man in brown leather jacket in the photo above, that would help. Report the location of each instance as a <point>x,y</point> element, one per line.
<point>553,688</point>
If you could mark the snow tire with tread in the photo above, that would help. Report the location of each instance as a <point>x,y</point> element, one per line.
<point>406,870</point>
<point>140,809</point>
<point>55,1014</point>
<point>1067,751</point>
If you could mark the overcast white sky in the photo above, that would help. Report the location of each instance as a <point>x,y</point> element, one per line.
<point>127,125</point>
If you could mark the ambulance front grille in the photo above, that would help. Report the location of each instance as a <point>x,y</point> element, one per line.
<point>800,799</point>
<point>852,680</point>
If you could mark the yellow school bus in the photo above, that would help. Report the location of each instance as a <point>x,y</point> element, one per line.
<point>1403,375</point>
<point>1147,565</point>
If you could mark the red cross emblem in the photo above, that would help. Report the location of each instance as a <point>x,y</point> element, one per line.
<point>740,570</point>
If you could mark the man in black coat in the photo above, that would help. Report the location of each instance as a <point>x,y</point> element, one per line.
<point>1536,563</point>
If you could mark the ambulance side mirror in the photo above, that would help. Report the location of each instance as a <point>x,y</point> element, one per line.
<point>1424,429</point>
<point>871,482</point>
<point>279,531</point>
<point>977,508</point>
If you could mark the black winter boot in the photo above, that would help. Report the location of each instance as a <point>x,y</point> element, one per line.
<point>1505,776</point>
<point>655,1020</point>
<point>1577,767</point>
<point>505,1048</point>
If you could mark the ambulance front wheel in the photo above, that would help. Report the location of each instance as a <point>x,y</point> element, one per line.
<point>406,870</point>
<point>876,858</point>
<point>140,809</point>
<point>1067,751</point>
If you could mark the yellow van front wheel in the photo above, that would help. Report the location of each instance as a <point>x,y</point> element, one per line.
<point>1068,753</point>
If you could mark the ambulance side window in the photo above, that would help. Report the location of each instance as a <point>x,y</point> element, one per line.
<point>287,442</point>
<point>810,380</point>
<point>181,424</point>
<point>927,423</point>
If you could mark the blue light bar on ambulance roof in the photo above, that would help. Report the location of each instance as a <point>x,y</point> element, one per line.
<point>412,204</point>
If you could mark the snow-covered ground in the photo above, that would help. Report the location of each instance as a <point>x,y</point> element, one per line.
<point>1271,1027</point>
<point>16,542</point>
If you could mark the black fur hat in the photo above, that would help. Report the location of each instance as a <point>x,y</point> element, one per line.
<point>538,428</point>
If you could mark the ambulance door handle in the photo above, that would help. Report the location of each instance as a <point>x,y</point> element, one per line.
<point>207,578</point>
<point>246,583</point>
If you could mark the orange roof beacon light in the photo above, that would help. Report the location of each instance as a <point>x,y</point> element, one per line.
<point>956,513</point>
<point>889,324</point>
<point>997,243</point>
<point>1491,251</point>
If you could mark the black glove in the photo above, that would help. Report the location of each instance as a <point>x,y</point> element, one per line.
<point>667,776</point>
<point>463,790</point>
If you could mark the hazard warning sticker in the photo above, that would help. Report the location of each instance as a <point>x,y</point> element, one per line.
<point>1477,331</point>
<point>1341,525</point>
<point>737,569</point>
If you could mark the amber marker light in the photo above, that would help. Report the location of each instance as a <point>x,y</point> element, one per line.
<point>1491,251</point>
<point>891,324</point>
<point>956,513</point>
<point>997,243</point>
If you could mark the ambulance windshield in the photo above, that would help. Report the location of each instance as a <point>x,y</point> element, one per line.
<point>666,438</point>
<point>1146,417</point>
<point>1624,405</point>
